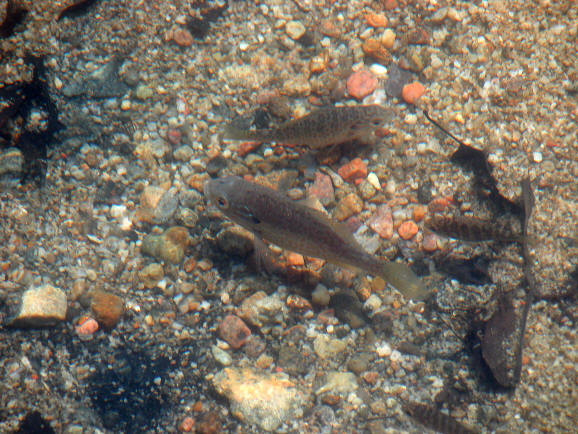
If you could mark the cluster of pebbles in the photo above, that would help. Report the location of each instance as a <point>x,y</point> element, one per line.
<point>127,304</point>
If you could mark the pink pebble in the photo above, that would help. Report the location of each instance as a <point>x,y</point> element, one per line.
<point>87,326</point>
<point>361,83</point>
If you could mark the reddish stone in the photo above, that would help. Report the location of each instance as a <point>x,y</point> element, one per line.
<point>107,308</point>
<point>296,302</point>
<point>187,424</point>
<point>376,20</point>
<point>246,147</point>
<point>430,243</point>
<point>361,83</point>
<point>407,230</point>
<point>87,326</point>
<point>233,331</point>
<point>353,170</point>
<point>183,38</point>
<point>412,92</point>
<point>419,213</point>
<point>174,136</point>
<point>389,5</point>
<point>382,222</point>
<point>322,188</point>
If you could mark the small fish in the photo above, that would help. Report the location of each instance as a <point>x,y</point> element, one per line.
<point>468,228</point>
<point>434,419</point>
<point>320,128</point>
<point>272,216</point>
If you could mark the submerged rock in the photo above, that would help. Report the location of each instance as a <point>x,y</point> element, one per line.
<point>169,246</point>
<point>262,399</point>
<point>40,307</point>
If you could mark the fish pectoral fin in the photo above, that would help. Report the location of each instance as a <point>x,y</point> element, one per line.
<point>402,278</point>
<point>264,257</point>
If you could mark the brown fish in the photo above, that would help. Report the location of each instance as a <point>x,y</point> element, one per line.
<point>469,228</point>
<point>320,128</point>
<point>272,216</point>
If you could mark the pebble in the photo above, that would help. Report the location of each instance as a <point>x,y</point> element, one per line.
<point>376,20</point>
<point>296,302</point>
<point>389,5</point>
<point>151,275</point>
<point>327,347</point>
<point>338,382</point>
<point>183,37</point>
<point>412,92</point>
<point>233,331</point>
<point>86,326</point>
<point>143,92</point>
<point>41,306</point>
<point>430,243</point>
<point>366,190</point>
<point>320,295</point>
<point>295,29</point>
<point>359,362</point>
<point>106,308</point>
<point>187,424</point>
<point>388,38</point>
<point>407,230</point>
<point>260,309</point>
<point>183,153</point>
<point>11,161</point>
<point>419,213</point>
<point>361,84</point>
<point>235,240</point>
<point>322,189</point>
<point>382,222</point>
<point>376,50</point>
<point>169,246</point>
<point>264,399</point>
<point>378,70</point>
<point>347,207</point>
<point>374,180</point>
<point>537,157</point>
<point>355,169</point>
<point>221,356</point>
<point>384,350</point>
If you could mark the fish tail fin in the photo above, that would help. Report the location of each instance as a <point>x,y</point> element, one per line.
<point>402,278</point>
<point>231,132</point>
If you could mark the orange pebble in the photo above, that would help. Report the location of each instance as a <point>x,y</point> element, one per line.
<point>295,260</point>
<point>412,92</point>
<point>187,424</point>
<point>407,230</point>
<point>419,213</point>
<point>376,20</point>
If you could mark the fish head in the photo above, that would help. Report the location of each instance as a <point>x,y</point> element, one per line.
<point>232,196</point>
<point>370,119</point>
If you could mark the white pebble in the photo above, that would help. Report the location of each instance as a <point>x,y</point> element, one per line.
<point>243,46</point>
<point>395,356</point>
<point>384,350</point>
<point>117,211</point>
<point>537,156</point>
<point>125,104</point>
<point>410,119</point>
<point>374,180</point>
<point>57,83</point>
<point>378,69</point>
<point>294,29</point>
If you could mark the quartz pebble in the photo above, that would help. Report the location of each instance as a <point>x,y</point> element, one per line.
<point>260,398</point>
<point>295,29</point>
<point>41,306</point>
<point>382,222</point>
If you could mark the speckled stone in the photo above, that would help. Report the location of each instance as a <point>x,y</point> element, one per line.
<point>41,306</point>
<point>263,399</point>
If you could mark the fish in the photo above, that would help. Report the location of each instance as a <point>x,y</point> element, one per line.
<point>468,228</point>
<point>273,217</point>
<point>320,128</point>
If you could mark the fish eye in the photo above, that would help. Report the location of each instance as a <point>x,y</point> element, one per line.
<point>222,202</point>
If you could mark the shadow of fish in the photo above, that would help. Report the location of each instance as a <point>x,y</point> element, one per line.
<point>320,128</point>
<point>273,217</point>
